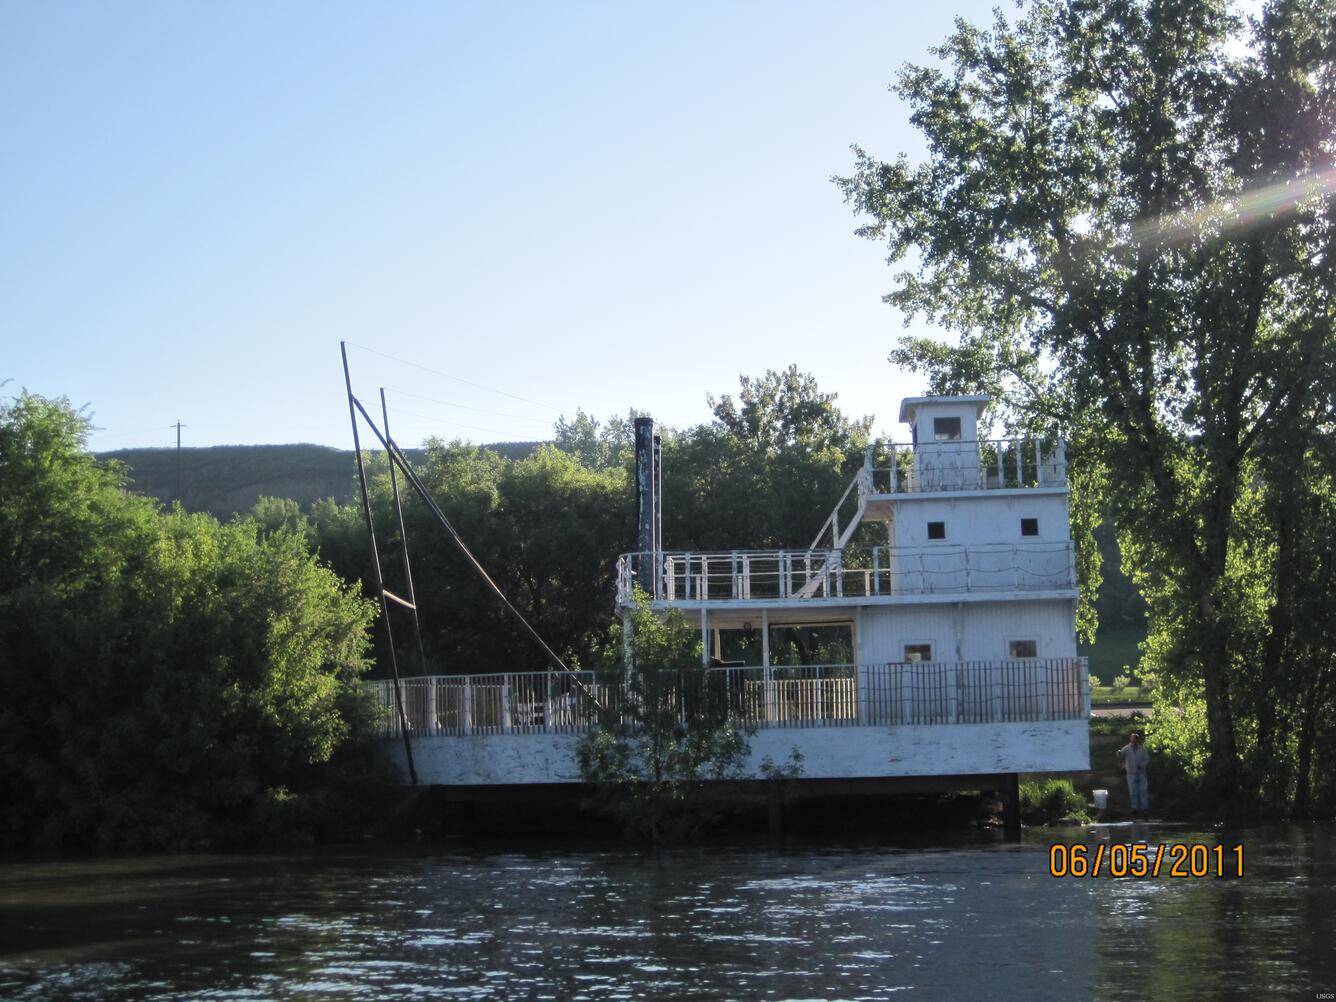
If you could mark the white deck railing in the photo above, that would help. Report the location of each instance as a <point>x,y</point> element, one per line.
<point>988,464</point>
<point>750,575</point>
<point>973,692</point>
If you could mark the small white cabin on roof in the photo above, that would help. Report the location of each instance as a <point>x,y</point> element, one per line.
<point>945,649</point>
<point>944,418</point>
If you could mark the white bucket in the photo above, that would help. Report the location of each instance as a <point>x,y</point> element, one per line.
<point>1101,799</point>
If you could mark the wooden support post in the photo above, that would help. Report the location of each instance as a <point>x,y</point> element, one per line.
<point>907,693</point>
<point>768,676</point>
<point>775,805</point>
<point>995,689</point>
<point>1010,788</point>
<point>952,709</point>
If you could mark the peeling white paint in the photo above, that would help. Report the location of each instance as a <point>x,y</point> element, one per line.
<point>828,752</point>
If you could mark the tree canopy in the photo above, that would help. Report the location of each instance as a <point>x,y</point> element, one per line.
<point>1125,216</point>
<point>169,681</point>
<point>549,526</point>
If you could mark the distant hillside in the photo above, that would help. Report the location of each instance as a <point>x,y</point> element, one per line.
<point>226,479</point>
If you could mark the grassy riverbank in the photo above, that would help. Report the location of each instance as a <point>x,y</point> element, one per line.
<point>1107,735</point>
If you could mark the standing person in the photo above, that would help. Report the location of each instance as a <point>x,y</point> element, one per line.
<point>1134,757</point>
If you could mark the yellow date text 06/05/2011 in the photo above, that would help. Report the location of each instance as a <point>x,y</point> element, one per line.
<point>1173,859</point>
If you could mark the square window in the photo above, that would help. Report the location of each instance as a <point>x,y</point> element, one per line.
<point>936,530</point>
<point>946,429</point>
<point>1029,527</point>
<point>1023,649</point>
<point>918,652</point>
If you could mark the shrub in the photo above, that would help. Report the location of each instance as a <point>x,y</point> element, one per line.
<point>665,735</point>
<point>169,682</point>
<point>1044,801</point>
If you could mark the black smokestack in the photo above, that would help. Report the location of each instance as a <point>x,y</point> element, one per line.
<point>646,503</point>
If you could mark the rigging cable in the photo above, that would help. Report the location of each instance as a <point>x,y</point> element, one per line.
<point>457,379</point>
<point>392,448</point>
<point>480,410</point>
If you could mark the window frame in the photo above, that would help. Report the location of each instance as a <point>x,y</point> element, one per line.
<point>938,436</point>
<point>1011,641</point>
<point>907,660</point>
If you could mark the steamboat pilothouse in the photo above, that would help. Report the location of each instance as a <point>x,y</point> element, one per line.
<point>941,655</point>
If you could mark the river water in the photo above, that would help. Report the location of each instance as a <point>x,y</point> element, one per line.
<point>975,921</point>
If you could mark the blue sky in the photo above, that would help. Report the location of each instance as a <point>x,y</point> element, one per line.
<point>590,205</point>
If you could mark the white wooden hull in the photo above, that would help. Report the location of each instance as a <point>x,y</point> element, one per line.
<point>828,752</point>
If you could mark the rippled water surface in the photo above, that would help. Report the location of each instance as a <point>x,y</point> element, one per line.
<point>804,923</point>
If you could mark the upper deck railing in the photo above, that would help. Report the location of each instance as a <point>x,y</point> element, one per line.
<point>753,575</point>
<point>987,464</point>
<point>915,693</point>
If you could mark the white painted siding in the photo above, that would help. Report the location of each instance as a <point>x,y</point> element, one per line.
<point>989,625</point>
<point>982,517</point>
<point>884,630</point>
<point>967,631</point>
<point>828,753</point>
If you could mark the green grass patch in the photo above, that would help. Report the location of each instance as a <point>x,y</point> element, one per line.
<point>1044,801</point>
<point>1119,725</point>
<point>1102,695</point>
<point>1114,652</point>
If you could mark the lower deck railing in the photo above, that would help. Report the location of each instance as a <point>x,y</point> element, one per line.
<point>971,692</point>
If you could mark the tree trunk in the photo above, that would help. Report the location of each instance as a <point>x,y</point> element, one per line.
<point>1222,770</point>
<point>1273,768</point>
<point>1304,765</point>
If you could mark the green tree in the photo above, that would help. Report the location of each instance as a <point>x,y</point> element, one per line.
<point>667,732</point>
<point>1124,214</point>
<point>272,515</point>
<point>170,682</point>
<point>766,472</point>
<point>546,528</point>
<point>597,446</point>
<point>549,527</point>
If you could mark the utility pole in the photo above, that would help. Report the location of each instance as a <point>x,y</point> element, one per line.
<point>178,427</point>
